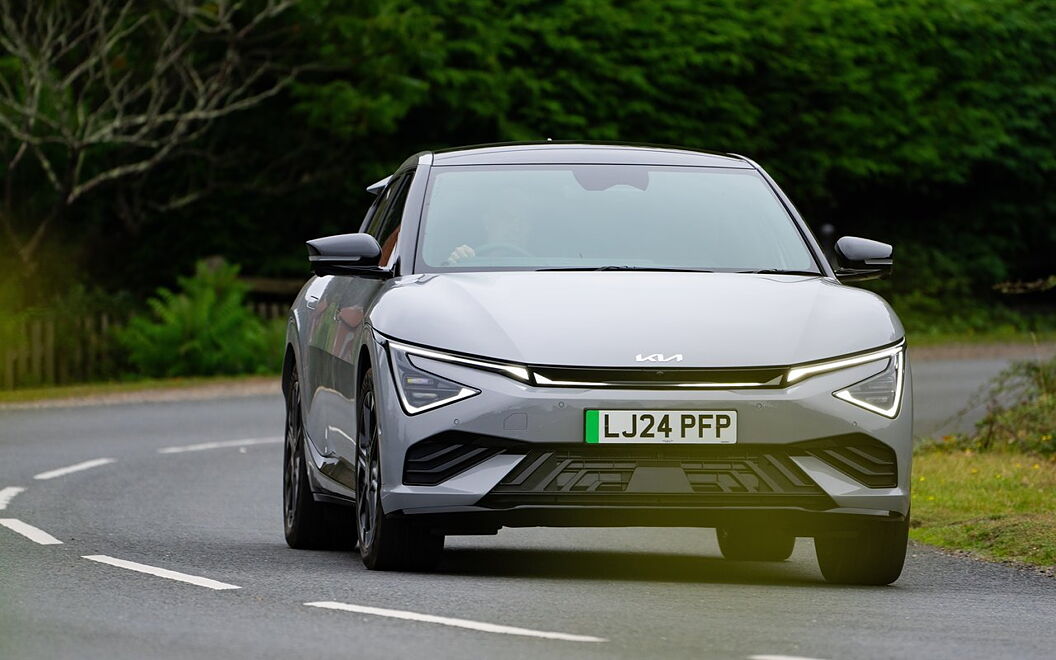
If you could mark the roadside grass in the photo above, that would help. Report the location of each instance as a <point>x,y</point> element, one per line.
<point>997,505</point>
<point>119,387</point>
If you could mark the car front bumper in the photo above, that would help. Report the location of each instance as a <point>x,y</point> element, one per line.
<point>515,455</point>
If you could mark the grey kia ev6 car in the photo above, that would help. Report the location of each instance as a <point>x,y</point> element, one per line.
<point>595,335</point>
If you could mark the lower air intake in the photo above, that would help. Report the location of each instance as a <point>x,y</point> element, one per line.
<point>431,462</point>
<point>629,470</point>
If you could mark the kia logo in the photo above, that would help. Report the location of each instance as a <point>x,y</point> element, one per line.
<point>658,357</point>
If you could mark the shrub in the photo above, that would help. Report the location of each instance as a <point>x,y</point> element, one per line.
<point>205,329</point>
<point>1020,407</point>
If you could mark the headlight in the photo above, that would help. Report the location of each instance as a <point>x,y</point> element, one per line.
<point>421,390</point>
<point>882,393</point>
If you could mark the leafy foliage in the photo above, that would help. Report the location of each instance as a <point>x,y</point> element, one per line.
<point>205,329</point>
<point>924,123</point>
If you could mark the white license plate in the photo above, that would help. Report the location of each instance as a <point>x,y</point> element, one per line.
<point>706,427</point>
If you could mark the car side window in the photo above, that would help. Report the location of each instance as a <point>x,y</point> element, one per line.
<point>385,225</point>
<point>369,216</point>
<point>380,206</point>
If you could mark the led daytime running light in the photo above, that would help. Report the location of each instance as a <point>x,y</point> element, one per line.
<point>520,373</point>
<point>799,373</point>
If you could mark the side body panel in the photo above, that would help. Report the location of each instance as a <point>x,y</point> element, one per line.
<point>331,332</point>
<point>337,332</point>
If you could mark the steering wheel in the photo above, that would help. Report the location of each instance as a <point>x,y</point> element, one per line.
<point>491,248</point>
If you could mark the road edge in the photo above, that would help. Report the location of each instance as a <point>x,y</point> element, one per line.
<point>158,393</point>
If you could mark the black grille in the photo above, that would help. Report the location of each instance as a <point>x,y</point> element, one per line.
<point>431,462</point>
<point>660,377</point>
<point>587,472</point>
<point>604,470</point>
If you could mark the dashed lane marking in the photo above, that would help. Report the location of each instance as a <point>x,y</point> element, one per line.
<point>61,472</point>
<point>29,531</point>
<point>218,445</point>
<point>457,623</point>
<point>161,572</point>
<point>8,494</point>
<point>779,657</point>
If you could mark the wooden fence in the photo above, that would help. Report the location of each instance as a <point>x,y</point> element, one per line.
<point>56,351</point>
<point>73,349</point>
<point>270,310</point>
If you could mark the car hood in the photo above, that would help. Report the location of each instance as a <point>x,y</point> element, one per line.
<point>609,318</point>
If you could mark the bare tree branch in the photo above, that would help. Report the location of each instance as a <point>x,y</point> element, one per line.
<point>108,90</point>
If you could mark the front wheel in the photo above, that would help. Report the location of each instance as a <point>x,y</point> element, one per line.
<point>385,543</point>
<point>754,545</point>
<point>871,556</point>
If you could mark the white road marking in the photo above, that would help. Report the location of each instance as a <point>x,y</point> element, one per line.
<point>458,623</point>
<point>8,494</point>
<point>29,531</point>
<point>218,445</point>
<point>779,657</point>
<point>161,572</point>
<point>61,472</point>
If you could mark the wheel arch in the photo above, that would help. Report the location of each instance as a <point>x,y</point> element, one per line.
<point>363,363</point>
<point>289,363</point>
<point>291,358</point>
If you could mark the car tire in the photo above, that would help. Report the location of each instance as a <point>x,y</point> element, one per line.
<point>741,544</point>
<point>307,524</point>
<point>872,556</point>
<point>387,543</point>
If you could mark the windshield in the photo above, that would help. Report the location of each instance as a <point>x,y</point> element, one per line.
<point>606,216</point>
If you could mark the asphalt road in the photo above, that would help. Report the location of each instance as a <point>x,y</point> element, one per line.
<point>944,389</point>
<point>215,514</point>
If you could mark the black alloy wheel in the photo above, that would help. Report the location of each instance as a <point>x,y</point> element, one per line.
<point>368,470</point>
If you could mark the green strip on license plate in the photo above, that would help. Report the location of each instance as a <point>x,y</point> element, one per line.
<point>592,426</point>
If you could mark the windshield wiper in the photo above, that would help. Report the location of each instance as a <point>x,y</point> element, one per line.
<point>657,269</point>
<point>779,271</point>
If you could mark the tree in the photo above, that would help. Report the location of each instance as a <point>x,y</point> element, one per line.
<point>94,92</point>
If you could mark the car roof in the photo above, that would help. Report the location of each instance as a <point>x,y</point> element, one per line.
<point>544,153</point>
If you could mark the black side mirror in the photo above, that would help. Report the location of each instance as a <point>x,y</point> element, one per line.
<point>862,259</point>
<point>346,254</point>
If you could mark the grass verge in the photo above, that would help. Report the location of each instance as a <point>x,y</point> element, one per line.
<point>997,505</point>
<point>119,387</point>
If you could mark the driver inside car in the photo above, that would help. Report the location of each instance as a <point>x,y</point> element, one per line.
<point>505,231</point>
